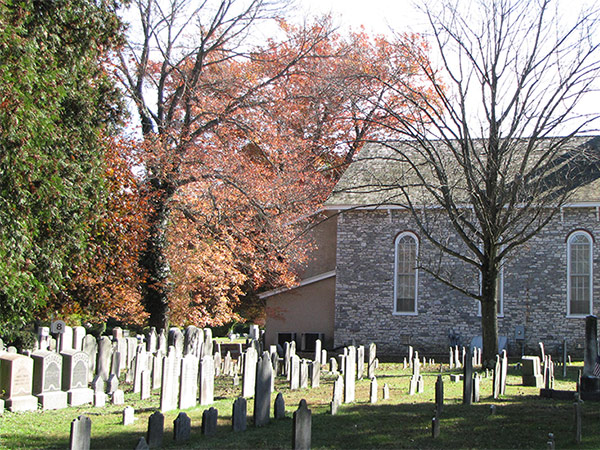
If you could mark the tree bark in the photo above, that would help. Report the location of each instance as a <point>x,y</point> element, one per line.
<point>489,317</point>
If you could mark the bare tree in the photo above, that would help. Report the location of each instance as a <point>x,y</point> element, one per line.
<point>494,150</point>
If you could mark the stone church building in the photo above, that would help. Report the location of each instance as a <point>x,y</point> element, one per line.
<point>364,283</point>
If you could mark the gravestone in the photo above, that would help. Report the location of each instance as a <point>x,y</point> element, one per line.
<point>98,384</point>
<point>239,414</point>
<point>315,374</point>
<point>279,407</point>
<point>182,425</point>
<point>254,332</point>
<point>170,383</point>
<point>217,362</point>
<point>337,395</point>
<point>333,366</point>
<point>476,385</point>
<point>301,428</point>
<point>16,382</point>
<point>156,429</point>
<point>65,340</point>
<point>142,444</point>
<point>99,399</point>
<point>451,358</point>
<point>146,385</point>
<point>531,373</point>
<point>78,336</point>
<point>468,379</point>
<point>496,378</point>
<point>176,339</point>
<point>74,378</point>
<point>249,372</point>
<point>542,351</point>
<point>374,389</point>
<point>262,393</point>
<point>90,346</point>
<point>115,365</point>
<point>128,415</point>
<point>294,372</point>
<point>323,356</point>
<point>207,380</point>
<point>386,391</point>
<point>188,382</point>
<point>360,362</point>
<point>192,341</point>
<point>372,356</point>
<point>157,365</point>
<point>503,372</point>
<point>209,421</point>
<point>151,340</point>
<point>132,345</point>
<point>287,358</point>
<point>350,375</point>
<point>141,364</point>
<point>47,380</point>
<point>439,395</point>
<point>81,433</point>
<point>43,339</point>
<point>118,397</point>
<point>104,357</point>
<point>435,427</point>
<point>228,365</point>
<point>590,382</point>
<point>112,384</point>
<point>207,345</point>
<point>304,374</point>
<point>162,342</point>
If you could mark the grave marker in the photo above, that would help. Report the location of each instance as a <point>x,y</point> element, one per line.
<point>81,432</point>
<point>209,421</point>
<point>279,407</point>
<point>301,429</point>
<point>156,429</point>
<point>262,393</point>
<point>128,415</point>
<point>16,381</point>
<point>239,414</point>
<point>182,425</point>
<point>47,380</point>
<point>207,380</point>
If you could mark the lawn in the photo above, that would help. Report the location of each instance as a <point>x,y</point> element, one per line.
<point>521,420</point>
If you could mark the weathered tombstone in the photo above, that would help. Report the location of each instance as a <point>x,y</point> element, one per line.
<point>146,385</point>
<point>451,359</point>
<point>254,332</point>
<point>170,383</point>
<point>16,380</point>
<point>118,397</point>
<point>192,341</point>
<point>157,364</point>
<point>564,358</point>
<point>227,365</point>
<point>112,384</point>
<point>410,355</point>
<point>176,339</point>
<point>182,425</point>
<point>239,414</point>
<point>74,378</point>
<point>141,364</point>
<point>386,391</point>
<point>262,393</point>
<point>142,444</point>
<point>207,380</point>
<point>151,340</point>
<point>287,359</point>
<point>497,378</point>
<point>128,415</point>
<point>542,351</point>
<point>373,391</point>
<point>468,379</point>
<point>218,362</point>
<point>294,372</point>
<point>301,429</point>
<point>98,384</point>
<point>503,372</point>
<point>249,373</point>
<point>162,342</point>
<point>132,345</point>
<point>590,382</point>
<point>47,380</point>
<point>207,345</point>
<point>65,340</point>
<point>476,391</point>
<point>279,406</point>
<point>315,374</point>
<point>371,360</point>
<point>333,365</point>
<point>188,382</point>
<point>81,432</point>
<point>156,429</point>
<point>115,365</point>
<point>457,363</point>
<point>318,351</point>
<point>323,356</point>
<point>531,373</point>
<point>338,394</point>
<point>350,375</point>
<point>104,357</point>
<point>90,346</point>
<point>78,336</point>
<point>304,374</point>
<point>99,399</point>
<point>360,362</point>
<point>439,395</point>
<point>209,421</point>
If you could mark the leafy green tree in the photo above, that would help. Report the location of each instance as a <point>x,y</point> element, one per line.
<point>56,104</point>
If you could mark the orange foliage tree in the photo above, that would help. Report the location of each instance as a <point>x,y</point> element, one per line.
<point>239,145</point>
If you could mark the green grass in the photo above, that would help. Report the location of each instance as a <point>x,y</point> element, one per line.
<point>522,419</point>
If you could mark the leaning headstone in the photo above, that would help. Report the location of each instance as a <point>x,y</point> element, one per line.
<point>188,382</point>
<point>128,415</point>
<point>373,392</point>
<point>338,394</point>
<point>301,429</point>
<point>531,373</point>
<point>16,380</point>
<point>182,425</point>
<point>372,355</point>
<point>262,393</point>
<point>74,378</point>
<point>239,414</point>
<point>350,375</point>
<point>249,373</point>
<point>542,351</point>
<point>156,430</point>
<point>47,380</point>
<point>209,421</point>
<point>118,397</point>
<point>207,380</point>
<point>294,372</point>
<point>81,432</point>
<point>279,407</point>
<point>333,365</point>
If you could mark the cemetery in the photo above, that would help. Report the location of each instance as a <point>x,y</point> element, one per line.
<point>187,389</point>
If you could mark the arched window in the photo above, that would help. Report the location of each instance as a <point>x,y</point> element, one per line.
<point>406,274</point>
<point>579,274</point>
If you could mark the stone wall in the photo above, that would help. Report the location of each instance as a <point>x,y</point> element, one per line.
<point>535,283</point>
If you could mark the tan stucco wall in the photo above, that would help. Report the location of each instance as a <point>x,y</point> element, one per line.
<point>321,258</point>
<point>306,309</point>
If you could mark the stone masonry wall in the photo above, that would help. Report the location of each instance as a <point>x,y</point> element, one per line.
<point>535,285</point>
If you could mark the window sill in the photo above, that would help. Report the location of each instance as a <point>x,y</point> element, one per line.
<point>577,316</point>
<point>405,313</point>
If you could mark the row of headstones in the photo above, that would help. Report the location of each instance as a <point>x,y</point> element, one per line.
<point>81,427</point>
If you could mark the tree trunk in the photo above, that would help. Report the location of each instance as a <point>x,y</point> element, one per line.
<point>489,319</point>
<point>154,261</point>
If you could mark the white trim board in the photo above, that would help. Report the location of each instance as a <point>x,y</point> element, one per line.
<point>304,282</point>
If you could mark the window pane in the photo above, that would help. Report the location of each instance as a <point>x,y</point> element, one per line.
<point>579,274</point>
<point>406,272</point>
